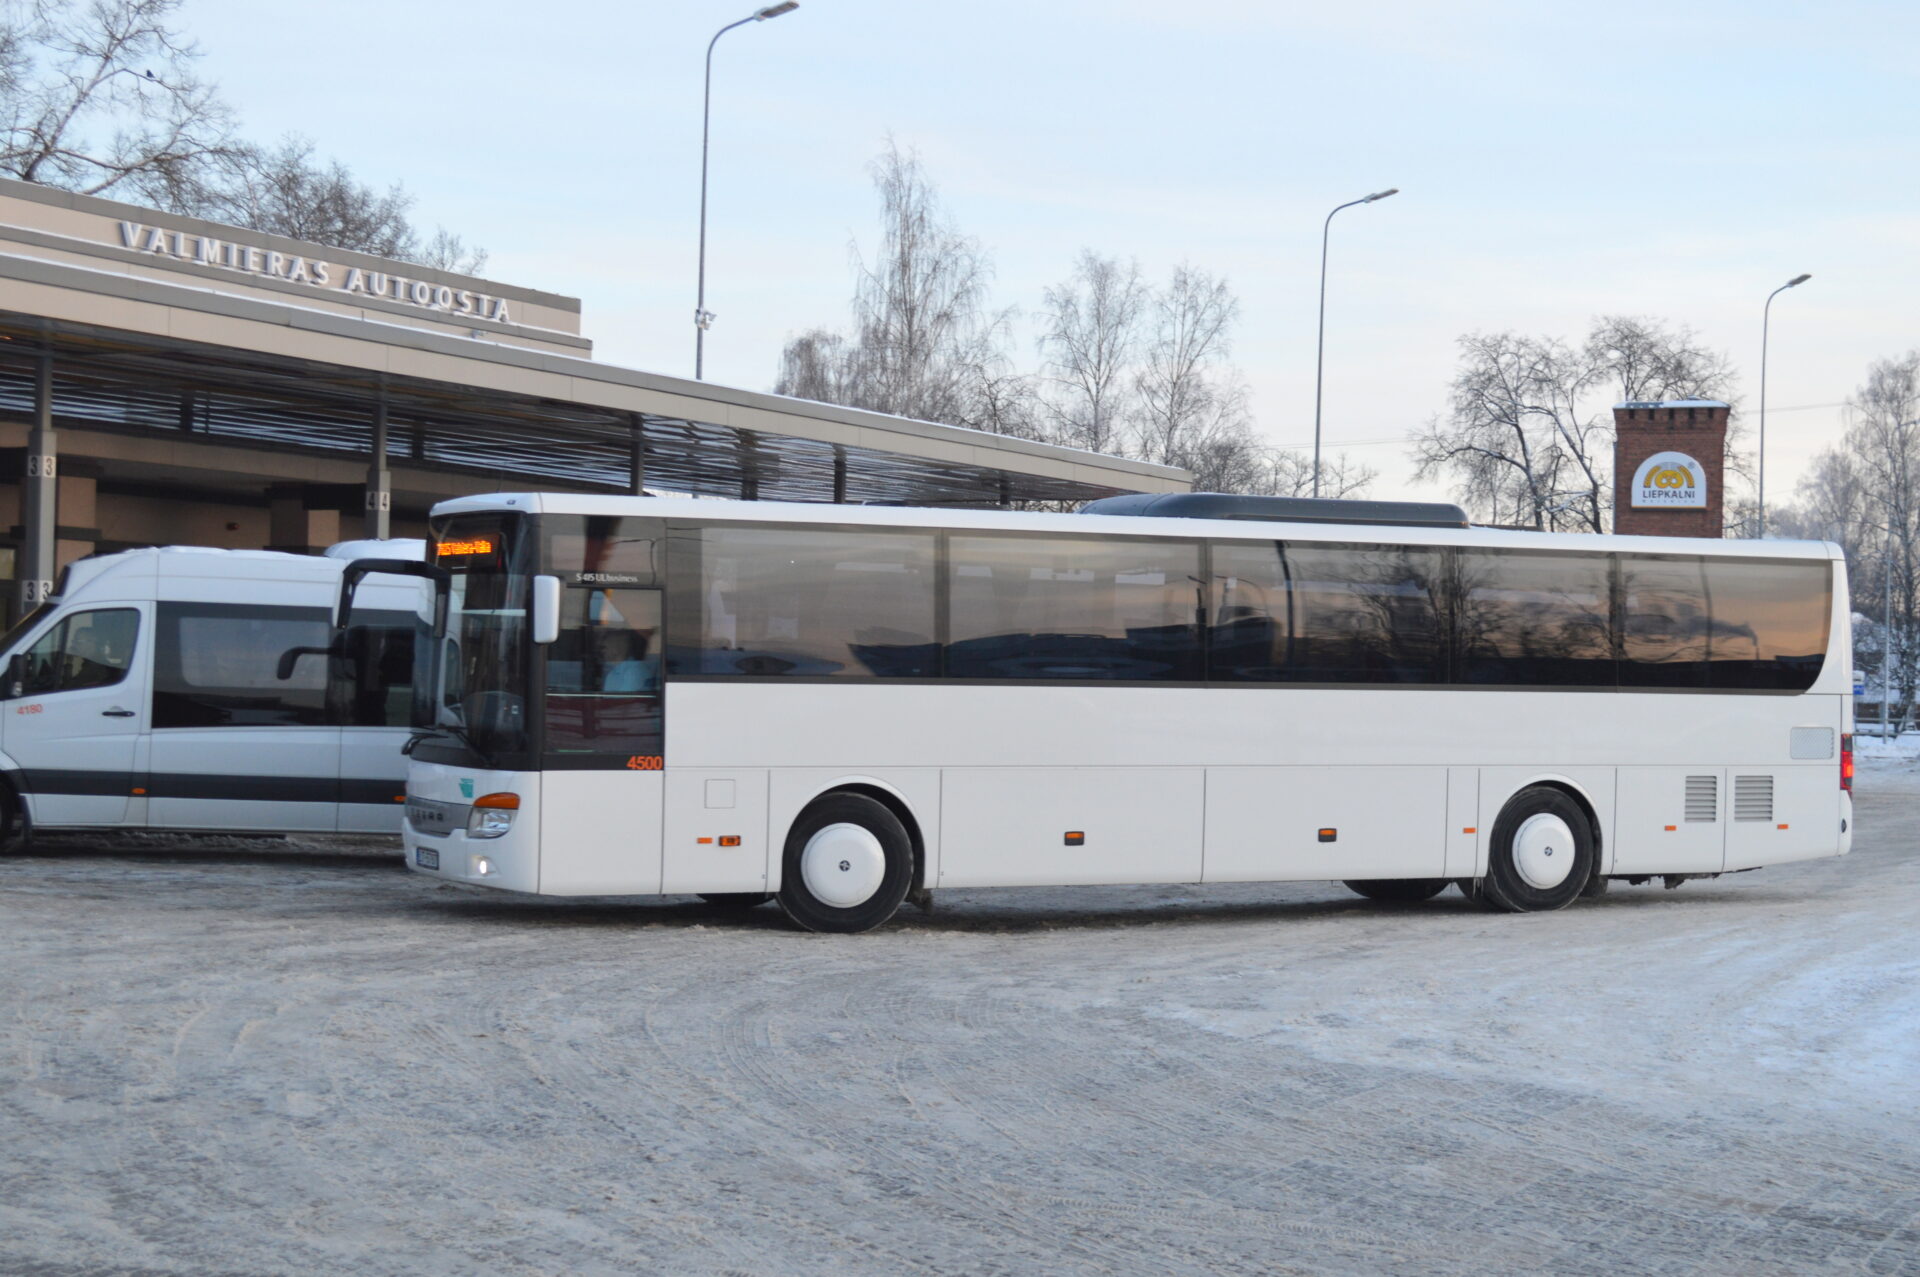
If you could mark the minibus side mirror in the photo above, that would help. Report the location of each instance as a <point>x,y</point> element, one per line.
<point>291,657</point>
<point>354,571</point>
<point>546,609</point>
<point>16,677</point>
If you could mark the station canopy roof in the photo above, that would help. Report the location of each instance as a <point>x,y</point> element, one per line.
<point>206,338</point>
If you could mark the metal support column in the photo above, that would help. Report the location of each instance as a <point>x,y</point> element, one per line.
<point>379,522</point>
<point>749,467</point>
<point>39,496</point>
<point>637,455</point>
<point>839,475</point>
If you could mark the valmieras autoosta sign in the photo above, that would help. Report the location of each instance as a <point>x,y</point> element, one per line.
<point>354,281</point>
<point>1671,480</point>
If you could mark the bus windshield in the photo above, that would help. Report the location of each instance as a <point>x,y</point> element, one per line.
<point>479,694</point>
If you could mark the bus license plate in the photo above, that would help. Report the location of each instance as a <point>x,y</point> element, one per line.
<point>426,857</point>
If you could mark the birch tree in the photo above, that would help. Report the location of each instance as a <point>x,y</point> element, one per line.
<point>1091,338</point>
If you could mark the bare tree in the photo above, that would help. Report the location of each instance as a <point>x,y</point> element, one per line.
<point>917,306</point>
<point>104,99</point>
<point>1186,394</point>
<point>1884,442</point>
<point>923,344</point>
<point>1289,473</point>
<point>1092,333</point>
<point>1528,437</point>
<point>286,191</point>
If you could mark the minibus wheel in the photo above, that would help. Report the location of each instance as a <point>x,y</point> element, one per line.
<point>13,825</point>
<point>1399,890</point>
<point>1541,855</point>
<point>847,866</point>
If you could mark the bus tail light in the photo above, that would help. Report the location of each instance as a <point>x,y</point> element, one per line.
<point>1846,761</point>
<point>492,815</point>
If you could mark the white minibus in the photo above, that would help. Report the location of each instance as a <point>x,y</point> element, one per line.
<point>195,689</point>
<point>840,707</point>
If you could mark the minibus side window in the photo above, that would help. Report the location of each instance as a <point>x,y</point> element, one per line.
<point>87,649</point>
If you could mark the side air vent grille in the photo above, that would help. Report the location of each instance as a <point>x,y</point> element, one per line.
<point>1703,798</point>
<point>1812,743</point>
<point>1753,798</point>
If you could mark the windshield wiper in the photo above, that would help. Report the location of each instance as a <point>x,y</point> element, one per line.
<point>454,730</point>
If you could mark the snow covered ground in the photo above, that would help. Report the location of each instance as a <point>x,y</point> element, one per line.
<point>285,1057</point>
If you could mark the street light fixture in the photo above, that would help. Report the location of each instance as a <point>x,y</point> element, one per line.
<point>1320,355</point>
<point>1766,317</point>
<point>702,317</point>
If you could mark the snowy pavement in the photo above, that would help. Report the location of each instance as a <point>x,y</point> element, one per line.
<point>254,1058</point>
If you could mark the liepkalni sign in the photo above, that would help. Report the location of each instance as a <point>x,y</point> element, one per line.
<point>292,268</point>
<point>1672,480</point>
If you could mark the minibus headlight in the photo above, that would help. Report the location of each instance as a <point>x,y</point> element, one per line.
<point>492,815</point>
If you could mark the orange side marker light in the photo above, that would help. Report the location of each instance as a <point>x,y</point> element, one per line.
<point>704,842</point>
<point>1671,828</point>
<point>729,840</point>
<point>1783,826</point>
<point>1471,829</point>
<point>137,791</point>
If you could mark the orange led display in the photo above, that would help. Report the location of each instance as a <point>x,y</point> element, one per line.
<point>473,545</point>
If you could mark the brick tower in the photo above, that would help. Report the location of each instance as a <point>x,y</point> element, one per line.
<point>1668,462</point>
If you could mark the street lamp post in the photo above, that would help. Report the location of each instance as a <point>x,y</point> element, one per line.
<point>1766,317</point>
<point>701,315</point>
<point>1320,352</point>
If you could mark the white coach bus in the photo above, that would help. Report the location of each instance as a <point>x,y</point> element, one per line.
<point>842,707</point>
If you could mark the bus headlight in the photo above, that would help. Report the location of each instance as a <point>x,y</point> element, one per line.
<point>492,815</point>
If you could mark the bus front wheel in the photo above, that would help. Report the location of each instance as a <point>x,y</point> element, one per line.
<point>1541,855</point>
<point>847,866</point>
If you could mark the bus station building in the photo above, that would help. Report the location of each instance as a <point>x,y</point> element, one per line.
<point>166,380</point>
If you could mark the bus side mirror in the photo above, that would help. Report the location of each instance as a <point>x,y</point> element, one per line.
<point>546,609</point>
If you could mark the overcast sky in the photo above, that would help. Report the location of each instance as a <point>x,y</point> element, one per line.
<point>1676,160</point>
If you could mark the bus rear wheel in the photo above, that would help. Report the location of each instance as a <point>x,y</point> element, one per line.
<point>1399,890</point>
<point>1541,855</point>
<point>847,866</point>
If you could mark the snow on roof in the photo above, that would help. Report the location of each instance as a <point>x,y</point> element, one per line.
<point>1672,403</point>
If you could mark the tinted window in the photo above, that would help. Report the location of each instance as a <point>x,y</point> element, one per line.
<point>1073,608</point>
<point>804,602</point>
<point>1251,637</point>
<point>1664,621</point>
<point>603,673</point>
<point>220,665</point>
<point>86,649</point>
<point>1523,616</point>
<point>603,549</point>
<point>1769,623</point>
<point>373,671</point>
<point>1364,614</point>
